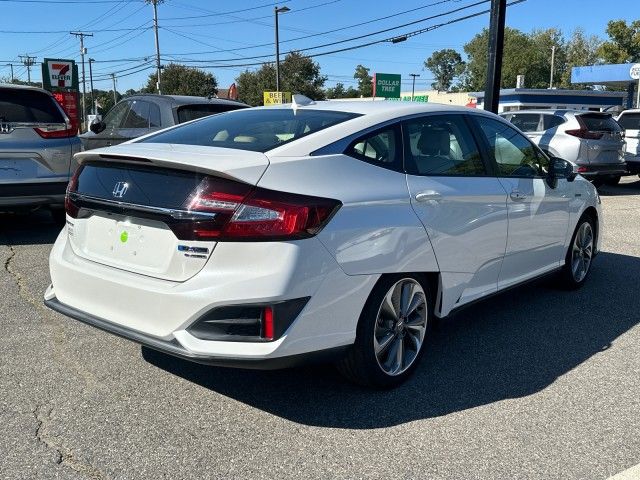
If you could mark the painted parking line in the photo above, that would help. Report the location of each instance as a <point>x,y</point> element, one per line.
<point>632,473</point>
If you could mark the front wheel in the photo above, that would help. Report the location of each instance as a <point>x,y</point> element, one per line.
<point>613,180</point>
<point>578,260</point>
<point>391,333</point>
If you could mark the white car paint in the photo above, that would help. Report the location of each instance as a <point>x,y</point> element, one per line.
<point>470,232</point>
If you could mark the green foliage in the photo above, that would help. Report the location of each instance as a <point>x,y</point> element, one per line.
<point>339,91</point>
<point>298,74</point>
<point>445,65</point>
<point>623,45</point>
<point>579,50</point>
<point>365,81</point>
<point>182,80</point>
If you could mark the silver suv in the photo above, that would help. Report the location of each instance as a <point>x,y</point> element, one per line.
<point>629,120</point>
<point>37,143</point>
<point>592,140</point>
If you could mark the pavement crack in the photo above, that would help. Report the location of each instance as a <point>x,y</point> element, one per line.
<point>23,289</point>
<point>64,456</point>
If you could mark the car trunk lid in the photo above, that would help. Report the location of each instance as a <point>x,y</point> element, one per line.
<point>605,143</point>
<point>131,196</point>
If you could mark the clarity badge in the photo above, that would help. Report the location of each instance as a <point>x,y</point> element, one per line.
<point>124,236</point>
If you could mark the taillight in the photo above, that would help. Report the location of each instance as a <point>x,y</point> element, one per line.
<point>584,133</point>
<point>57,131</point>
<point>239,212</point>
<point>70,207</point>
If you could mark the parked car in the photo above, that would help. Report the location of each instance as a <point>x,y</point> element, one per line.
<point>138,115</point>
<point>629,120</point>
<point>37,143</point>
<point>272,235</point>
<point>592,140</point>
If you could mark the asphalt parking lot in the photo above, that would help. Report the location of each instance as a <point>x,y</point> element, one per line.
<point>536,383</point>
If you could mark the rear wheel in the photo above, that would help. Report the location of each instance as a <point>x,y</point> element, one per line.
<point>580,255</point>
<point>391,333</point>
<point>597,182</point>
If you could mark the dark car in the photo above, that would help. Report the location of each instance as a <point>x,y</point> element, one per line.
<point>138,115</point>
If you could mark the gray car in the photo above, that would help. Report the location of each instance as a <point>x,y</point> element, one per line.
<point>138,115</point>
<point>592,140</point>
<point>37,143</point>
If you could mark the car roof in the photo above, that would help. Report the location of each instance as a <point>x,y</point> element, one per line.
<point>630,110</point>
<point>183,99</point>
<point>364,107</point>
<point>564,111</point>
<point>22,87</point>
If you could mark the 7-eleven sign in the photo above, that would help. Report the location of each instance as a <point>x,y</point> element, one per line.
<point>59,74</point>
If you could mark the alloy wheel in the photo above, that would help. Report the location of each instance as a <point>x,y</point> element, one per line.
<point>582,252</point>
<point>400,326</point>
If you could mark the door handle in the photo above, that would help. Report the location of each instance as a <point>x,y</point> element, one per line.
<point>517,196</point>
<point>428,195</point>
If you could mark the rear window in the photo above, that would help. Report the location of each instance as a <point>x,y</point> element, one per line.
<point>599,123</point>
<point>256,129</point>
<point>630,121</point>
<point>187,113</point>
<point>552,121</point>
<point>28,106</point>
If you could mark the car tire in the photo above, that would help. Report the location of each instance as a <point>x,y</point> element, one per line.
<point>597,182</point>
<point>579,255</point>
<point>391,332</point>
<point>613,180</point>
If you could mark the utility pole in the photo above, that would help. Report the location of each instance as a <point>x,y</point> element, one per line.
<point>93,102</point>
<point>276,11</point>
<point>83,51</point>
<point>413,83</point>
<point>10,65</point>
<point>155,29</point>
<point>115,95</point>
<point>553,59</point>
<point>496,44</point>
<point>28,61</point>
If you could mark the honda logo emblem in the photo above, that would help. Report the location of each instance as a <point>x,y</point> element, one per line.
<point>120,189</point>
<point>6,128</point>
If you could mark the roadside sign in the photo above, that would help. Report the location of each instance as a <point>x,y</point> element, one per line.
<point>386,85</point>
<point>60,77</point>
<point>276,98</point>
<point>59,74</point>
<point>634,71</point>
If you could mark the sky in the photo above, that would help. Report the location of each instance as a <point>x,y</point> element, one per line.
<point>226,37</point>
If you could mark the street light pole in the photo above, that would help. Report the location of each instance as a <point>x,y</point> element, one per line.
<point>276,11</point>
<point>93,102</point>
<point>115,95</point>
<point>11,65</point>
<point>413,83</point>
<point>83,52</point>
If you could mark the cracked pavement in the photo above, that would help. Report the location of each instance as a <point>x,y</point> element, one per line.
<point>536,383</point>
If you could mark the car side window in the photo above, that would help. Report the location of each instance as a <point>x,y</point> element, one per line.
<point>378,148</point>
<point>154,116</point>
<point>527,122</point>
<point>514,154</point>
<point>441,145</point>
<point>552,121</point>
<point>114,118</point>
<point>138,116</point>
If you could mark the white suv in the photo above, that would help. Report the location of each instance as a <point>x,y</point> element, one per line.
<point>629,120</point>
<point>267,236</point>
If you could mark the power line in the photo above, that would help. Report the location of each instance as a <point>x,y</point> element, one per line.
<point>227,13</point>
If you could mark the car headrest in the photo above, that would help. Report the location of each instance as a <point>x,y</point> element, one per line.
<point>434,141</point>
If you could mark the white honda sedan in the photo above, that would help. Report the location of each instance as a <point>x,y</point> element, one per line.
<point>340,230</point>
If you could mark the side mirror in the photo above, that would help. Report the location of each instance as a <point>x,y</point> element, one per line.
<point>560,168</point>
<point>97,126</point>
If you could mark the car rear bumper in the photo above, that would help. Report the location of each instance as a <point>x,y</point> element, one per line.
<point>173,347</point>
<point>28,194</point>
<point>603,169</point>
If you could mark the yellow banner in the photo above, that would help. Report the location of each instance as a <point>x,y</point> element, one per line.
<point>276,98</point>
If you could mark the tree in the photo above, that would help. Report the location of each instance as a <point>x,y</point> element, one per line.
<point>298,74</point>
<point>365,82</point>
<point>623,45</point>
<point>340,92</point>
<point>580,50</point>
<point>445,65</point>
<point>182,80</point>
<point>528,55</point>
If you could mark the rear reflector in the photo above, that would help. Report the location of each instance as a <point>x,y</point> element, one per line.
<point>582,169</point>
<point>267,323</point>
